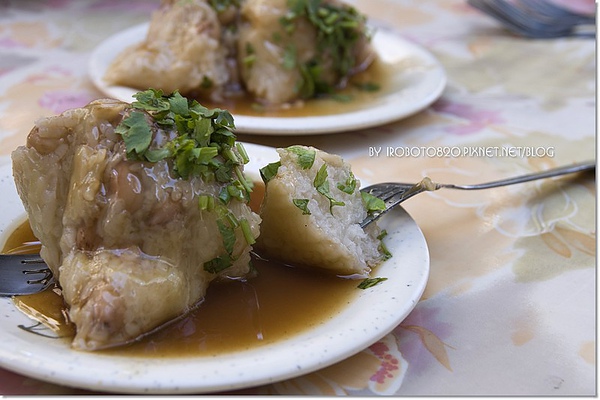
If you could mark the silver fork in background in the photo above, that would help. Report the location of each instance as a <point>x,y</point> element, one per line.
<point>539,19</point>
<point>394,193</point>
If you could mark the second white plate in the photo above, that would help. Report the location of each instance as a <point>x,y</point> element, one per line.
<point>418,80</point>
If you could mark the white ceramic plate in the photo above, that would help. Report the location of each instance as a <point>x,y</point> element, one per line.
<point>372,315</point>
<point>418,81</point>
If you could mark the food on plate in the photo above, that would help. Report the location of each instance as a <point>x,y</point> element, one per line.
<point>183,51</point>
<point>278,51</point>
<point>311,214</point>
<point>138,208</point>
<point>289,50</point>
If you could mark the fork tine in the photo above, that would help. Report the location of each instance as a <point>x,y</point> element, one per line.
<point>45,279</point>
<point>549,18</point>
<point>523,18</point>
<point>520,17</point>
<point>23,274</point>
<point>498,11</point>
<point>383,189</point>
<point>392,194</point>
<point>551,10</point>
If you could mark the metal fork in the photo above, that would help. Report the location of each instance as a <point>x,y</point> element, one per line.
<point>538,19</point>
<point>394,193</point>
<point>26,274</point>
<point>23,274</point>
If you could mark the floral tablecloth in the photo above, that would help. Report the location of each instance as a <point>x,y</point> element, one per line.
<point>511,301</point>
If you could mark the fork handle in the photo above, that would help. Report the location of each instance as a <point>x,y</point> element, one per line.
<point>579,167</point>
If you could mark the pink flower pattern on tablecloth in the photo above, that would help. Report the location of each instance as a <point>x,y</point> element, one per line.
<point>472,119</point>
<point>61,100</point>
<point>389,364</point>
<point>423,332</point>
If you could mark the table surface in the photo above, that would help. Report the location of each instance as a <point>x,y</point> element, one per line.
<point>510,305</point>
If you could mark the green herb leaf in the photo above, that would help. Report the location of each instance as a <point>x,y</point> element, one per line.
<point>206,203</point>
<point>250,57</point>
<point>372,203</point>
<point>242,150</point>
<point>136,133</point>
<point>151,100</point>
<point>289,57</point>
<point>322,185</point>
<point>342,98</point>
<point>306,157</point>
<point>218,264</point>
<point>370,282</point>
<point>321,177</point>
<point>227,224</point>
<point>338,31</point>
<point>224,195</point>
<point>269,171</point>
<point>247,231</point>
<point>206,83</point>
<point>367,86</point>
<point>205,144</point>
<point>382,247</point>
<point>302,204</point>
<point>155,155</point>
<point>349,186</point>
<point>179,105</point>
<point>228,235</point>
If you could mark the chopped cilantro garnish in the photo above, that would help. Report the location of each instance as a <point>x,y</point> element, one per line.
<point>372,203</point>
<point>250,57</point>
<point>228,234</point>
<point>349,186</point>
<point>227,224</point>
<point>289,57</point>
<point>322,185</point>
<point>370,282</point>
<point>269,171</point>
<point>218,264</point>
<point>302,204</point>
<point>338,31</point>
<point>236,190</point>
<point>367,86</point>
<point>242,150</point>
<point>136,133</point>
<point>342,98</point>
<point>307,87</point>
<point>152,101</point>
<point>245,226</point>
<point>206,83</point>
<point>206,203</point>
<point>204,146</point>
<point>321,177</point>
<point>306,157</point>
<point>382,247</point>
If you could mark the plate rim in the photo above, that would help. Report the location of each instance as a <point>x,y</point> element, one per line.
<point>375,115</point>
<point>304,346</point>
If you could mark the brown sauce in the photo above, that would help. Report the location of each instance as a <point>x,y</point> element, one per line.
<point>351,98</point>
<point>21,241</point>
<point>277,304</point>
